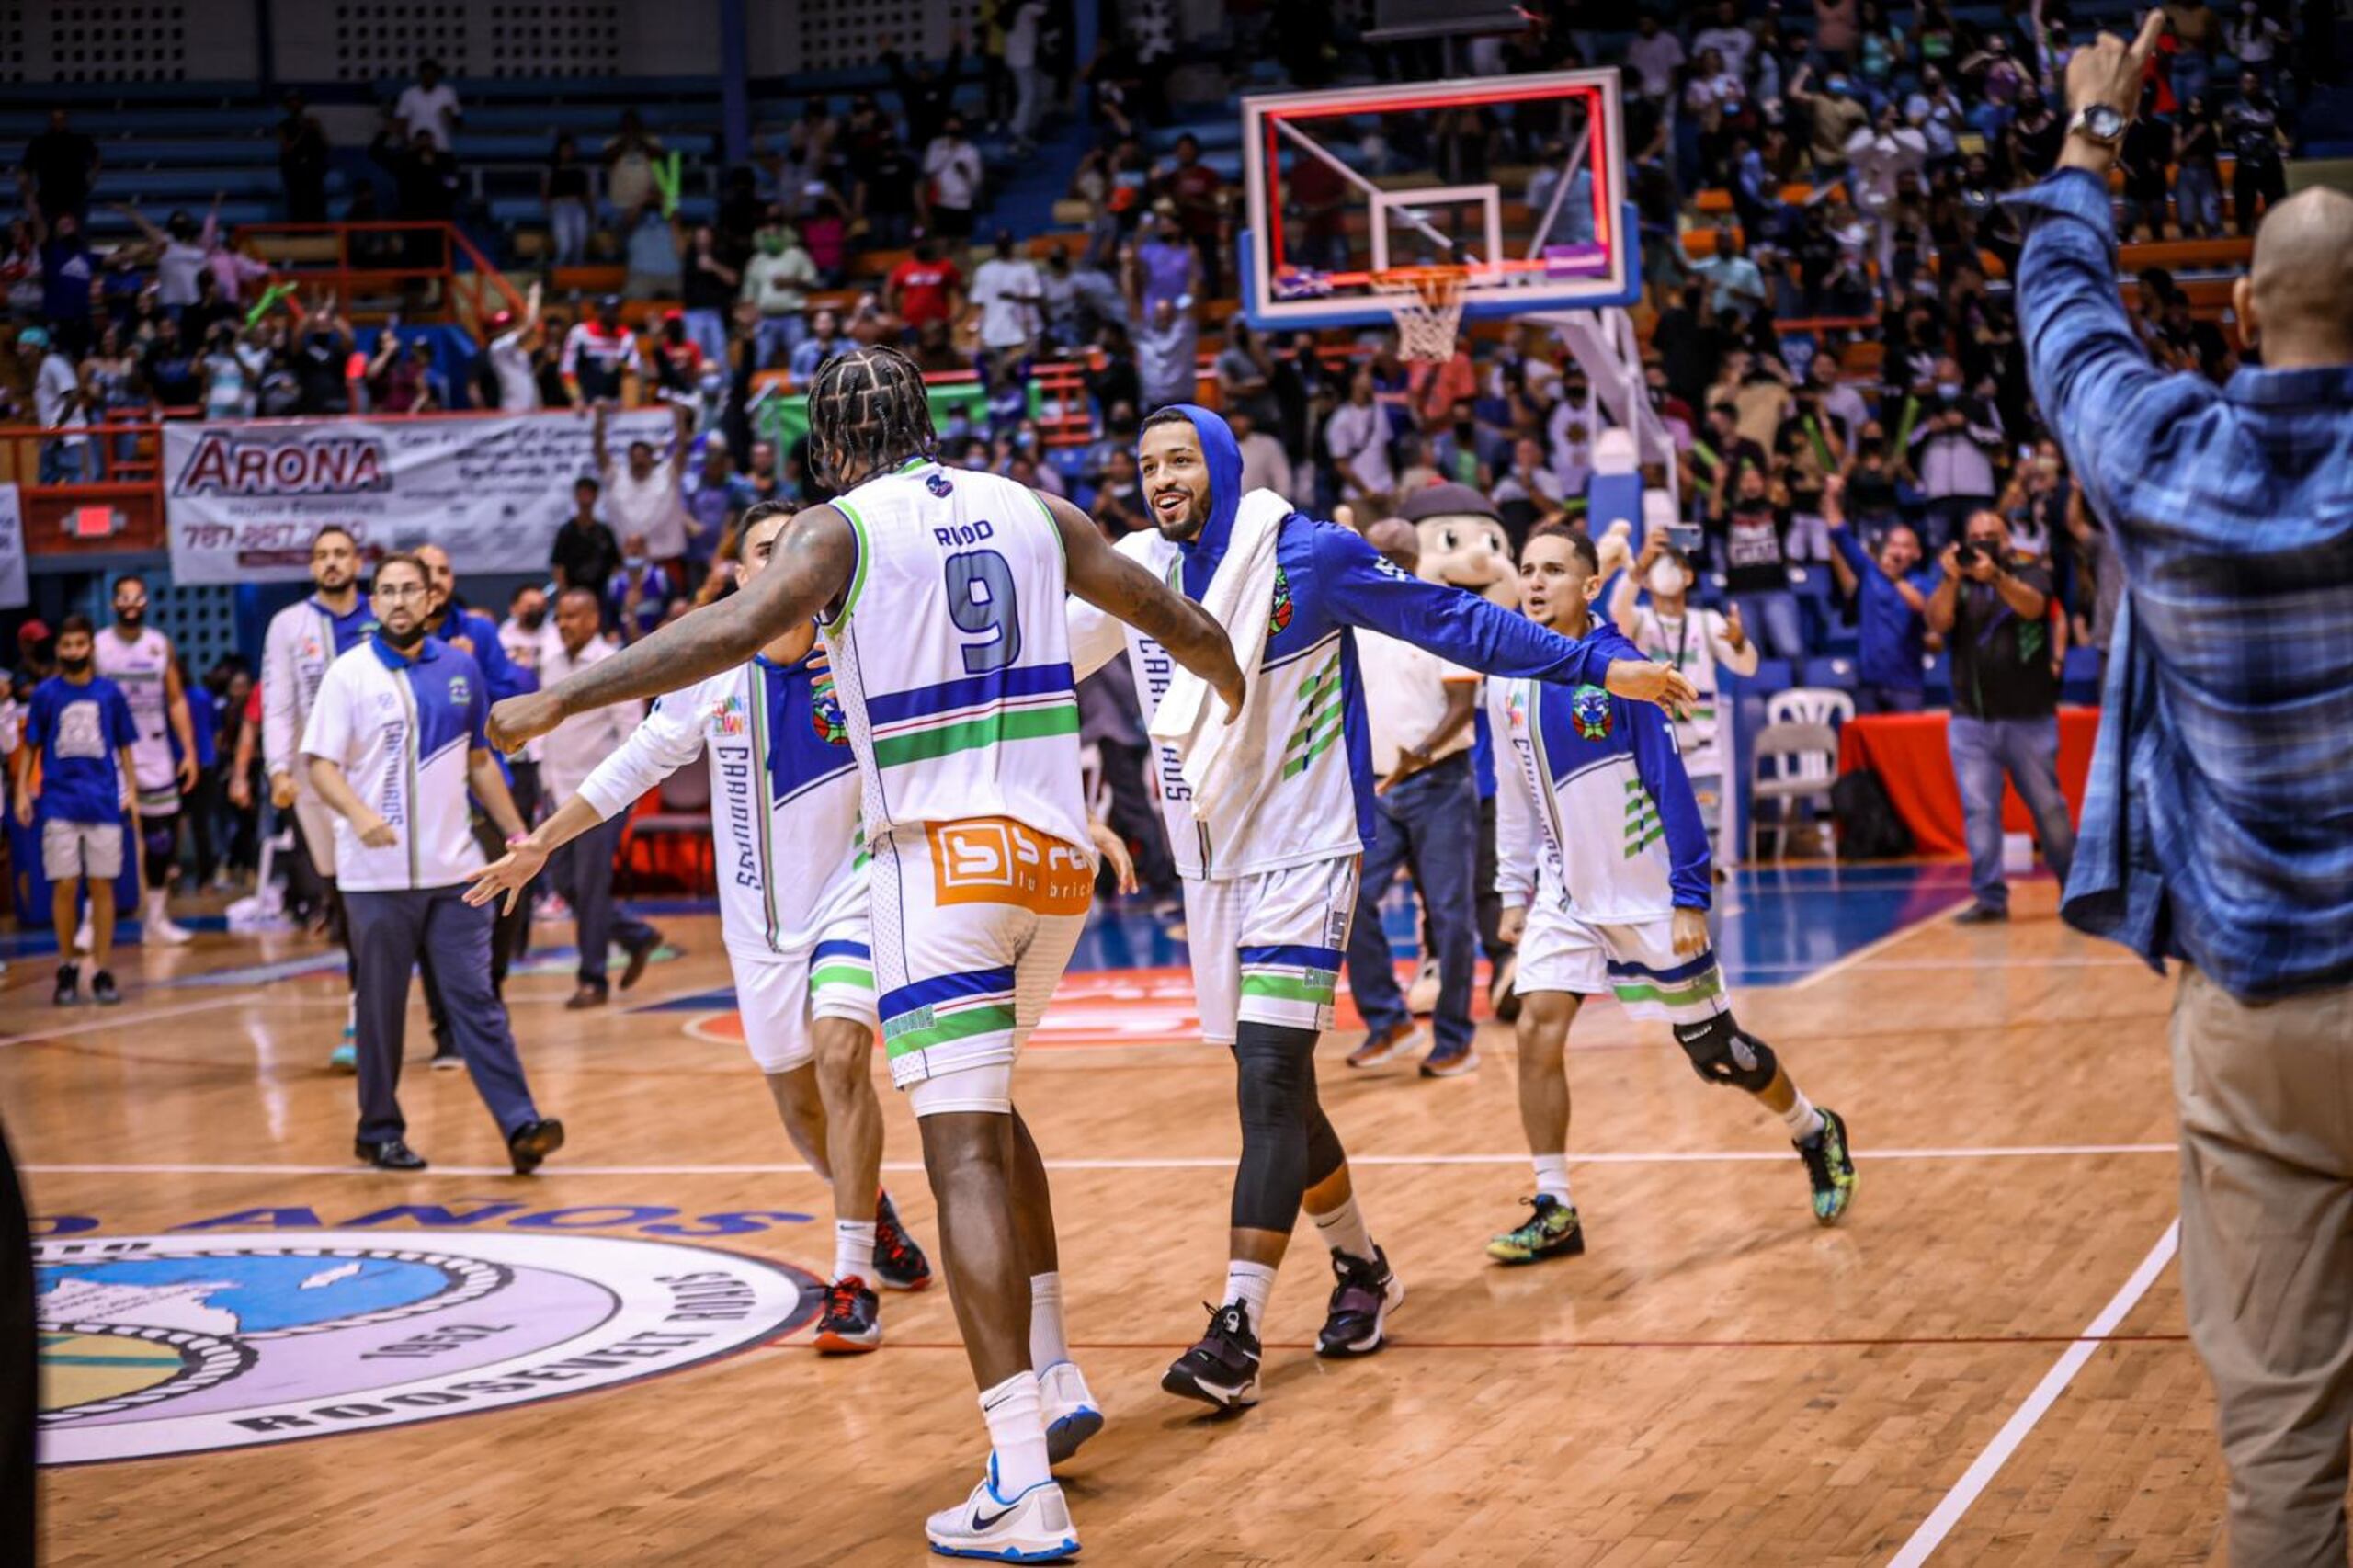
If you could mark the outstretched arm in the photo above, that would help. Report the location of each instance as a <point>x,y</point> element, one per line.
<point>1118,586</point>
<point>1367,591</point>
<point>813,565</point>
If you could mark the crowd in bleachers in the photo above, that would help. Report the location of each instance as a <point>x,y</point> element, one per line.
<point>1823,250</point>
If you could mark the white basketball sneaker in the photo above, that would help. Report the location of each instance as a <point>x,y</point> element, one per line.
<point>1070,1410</point>
<point>159,925</point>
<point>1033,1528</point>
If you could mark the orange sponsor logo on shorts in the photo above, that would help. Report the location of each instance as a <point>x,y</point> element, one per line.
<point>998,860</point>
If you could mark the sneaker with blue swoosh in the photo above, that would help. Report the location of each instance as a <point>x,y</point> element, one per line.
<point>1031,1528</point>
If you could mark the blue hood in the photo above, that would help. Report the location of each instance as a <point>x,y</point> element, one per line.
<point>1223,455</point>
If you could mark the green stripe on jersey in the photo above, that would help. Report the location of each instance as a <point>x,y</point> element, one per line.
<point>969,734</point>
<point>1314,986</point>
<point>1701,988</point>
<point>842,974</point>
<point>996,1018</point>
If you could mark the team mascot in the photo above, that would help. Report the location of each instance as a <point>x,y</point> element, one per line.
<point>1464,542</point>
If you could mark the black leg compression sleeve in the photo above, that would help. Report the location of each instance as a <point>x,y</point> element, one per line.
<point>163,836</point>
<point>1276,1072</point>
<point>1721,1053</point>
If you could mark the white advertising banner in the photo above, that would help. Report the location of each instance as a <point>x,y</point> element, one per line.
<point>243,499</point>
<point>15,593</point>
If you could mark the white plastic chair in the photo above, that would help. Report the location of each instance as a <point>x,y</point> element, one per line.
<point>1809,704</point>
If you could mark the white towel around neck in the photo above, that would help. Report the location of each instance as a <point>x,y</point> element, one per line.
<point>1241,596</point>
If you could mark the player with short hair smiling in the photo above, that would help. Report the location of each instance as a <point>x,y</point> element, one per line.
<point>792,902</point>
<point>1268,840</point>
<point>1602,862</point>
<point>941,595</point>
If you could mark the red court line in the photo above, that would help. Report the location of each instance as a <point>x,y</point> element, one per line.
<point>792,1343</point>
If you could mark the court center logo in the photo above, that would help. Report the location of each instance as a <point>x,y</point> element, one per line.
<point>173,1345</point>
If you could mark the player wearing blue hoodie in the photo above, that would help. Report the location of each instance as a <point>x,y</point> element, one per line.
<point>1270,867</point>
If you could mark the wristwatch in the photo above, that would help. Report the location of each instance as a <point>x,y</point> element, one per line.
<point>2101,123</point>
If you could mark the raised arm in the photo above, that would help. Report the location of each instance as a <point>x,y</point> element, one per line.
<point>2085,362</point>
<point>1367,591</point>
<point>814,559</point>
<point>1121,588</point>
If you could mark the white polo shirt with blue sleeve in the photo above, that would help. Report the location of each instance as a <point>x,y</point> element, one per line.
<point>401,730</point>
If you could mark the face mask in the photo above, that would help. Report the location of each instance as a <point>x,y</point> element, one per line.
<point>132,617</point>
<point>772,245</point>
<point>1947,388</point>
<point>1666,578</point>
<point>532,620</point>
<point>633,563</point>
<point>74,667</point>
<point>403,641</point>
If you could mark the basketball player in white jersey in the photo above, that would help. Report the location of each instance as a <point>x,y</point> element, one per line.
<point>939,597</point>
<point>792,893</point>
<point>303,639</point>
<point>138,658</point>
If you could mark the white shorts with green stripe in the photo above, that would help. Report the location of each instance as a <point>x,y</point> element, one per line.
<point>1637,963</point>
<point>780,996</point>
<point>1268,947</point>
<point>973,923</point>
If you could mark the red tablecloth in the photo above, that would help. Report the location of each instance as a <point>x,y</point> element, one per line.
<point>1908,753</point>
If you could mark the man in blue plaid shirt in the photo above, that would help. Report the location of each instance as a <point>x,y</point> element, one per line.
<point>2219,824</point>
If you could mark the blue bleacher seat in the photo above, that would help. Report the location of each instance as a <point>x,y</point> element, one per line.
<point>1939,685</point>
<point>1837,674</point>
<point>1772,675</point>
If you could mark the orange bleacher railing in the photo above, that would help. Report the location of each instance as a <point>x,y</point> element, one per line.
<point>375,258</point>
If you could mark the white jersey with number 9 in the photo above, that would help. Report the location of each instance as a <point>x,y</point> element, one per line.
<point>951,653</point>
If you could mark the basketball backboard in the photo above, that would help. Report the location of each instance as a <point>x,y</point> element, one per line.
<point>1354,191</point>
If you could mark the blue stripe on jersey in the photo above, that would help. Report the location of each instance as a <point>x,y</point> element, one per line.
<point>840,950</point>
<point>1294,953</point>
<point>808,740</point>
<point>1692,971</point>
<point>971,691</point>
<point>944,988</point>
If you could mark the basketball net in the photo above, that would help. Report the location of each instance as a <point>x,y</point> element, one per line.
<point>1426,304</point>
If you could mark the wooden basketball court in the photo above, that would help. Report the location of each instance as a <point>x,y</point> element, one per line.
<point>1984,1364</point>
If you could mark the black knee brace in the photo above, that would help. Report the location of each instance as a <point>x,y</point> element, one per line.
<point>1276,1077</point>
<point>1721,1053</point>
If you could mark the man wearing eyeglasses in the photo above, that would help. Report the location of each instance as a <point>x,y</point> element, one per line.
<point>394,743</point>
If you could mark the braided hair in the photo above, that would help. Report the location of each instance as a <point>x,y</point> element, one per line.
<point>868,412</point>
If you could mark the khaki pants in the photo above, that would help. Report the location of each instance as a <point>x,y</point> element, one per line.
<point>2266,1095</point>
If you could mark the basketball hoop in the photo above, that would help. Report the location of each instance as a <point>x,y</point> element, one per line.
<point>1427,304</point>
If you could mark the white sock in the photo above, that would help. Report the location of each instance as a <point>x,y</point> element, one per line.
<point>854,1249</point>
<point>1017,1433</point>
<point>1343,1231</point>
<point>1553,1176</point>
<point>1047,1343</point>
<point>155,906</point>
<point>1802,1120</point>
<point>1254,1285</point>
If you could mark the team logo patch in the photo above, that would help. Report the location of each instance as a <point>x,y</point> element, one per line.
<point>727,719</point>
<point>825,712</point>
<point>1591,711</point>
<point>173,1345</point>
<point>460,692</point>
<point>937,482</point>
<point>1279,616</point>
